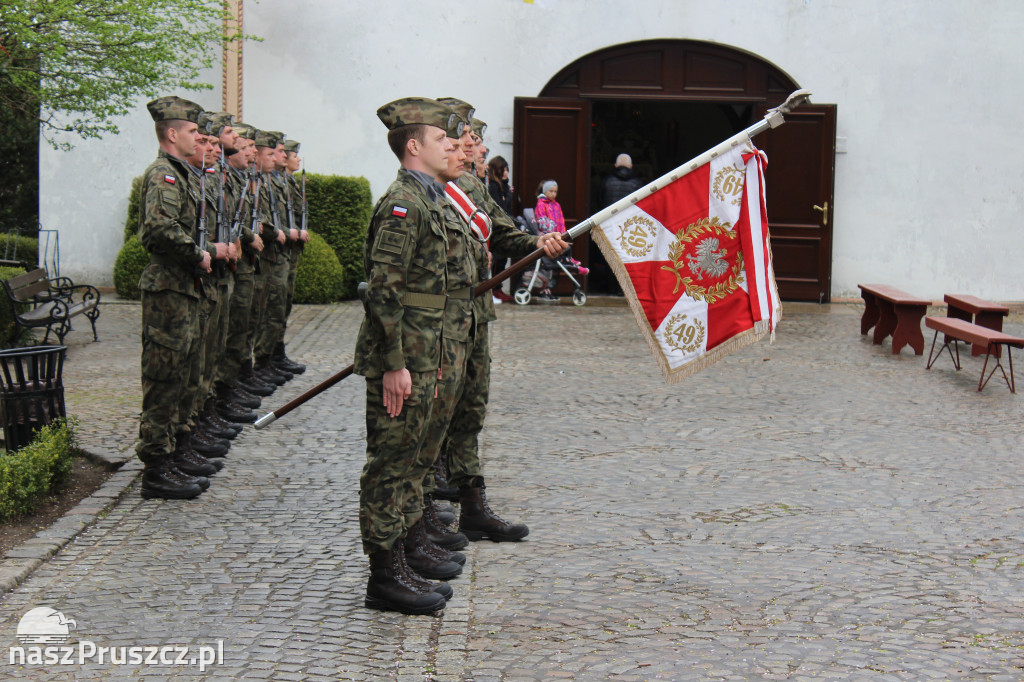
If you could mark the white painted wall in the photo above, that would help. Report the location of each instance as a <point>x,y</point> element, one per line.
<point>928,96</point>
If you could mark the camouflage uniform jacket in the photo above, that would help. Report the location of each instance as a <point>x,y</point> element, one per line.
<point>295,188</point>
<point>506,238</point>
<point>405,257</point>
<point>168,226</point>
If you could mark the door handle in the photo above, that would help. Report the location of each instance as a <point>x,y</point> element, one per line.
<point>824,210</point>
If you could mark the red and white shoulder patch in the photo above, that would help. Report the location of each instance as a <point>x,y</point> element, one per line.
<point>399,211</point>
<point>170,178</point>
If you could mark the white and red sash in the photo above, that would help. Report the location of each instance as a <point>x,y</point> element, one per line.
<point>478,221</point>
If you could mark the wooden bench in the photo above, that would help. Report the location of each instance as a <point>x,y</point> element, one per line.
<point>893,312</point>
<point>968,332</point>
<point>977,310</point>
<point>51,304</point>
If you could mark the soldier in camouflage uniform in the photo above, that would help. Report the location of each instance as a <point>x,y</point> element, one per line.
<point>274,259</point>
<point>399,349</point>
<point>170,300</point>
<point>297,239</point>
<point>236,364</point>
<point>461,448</point>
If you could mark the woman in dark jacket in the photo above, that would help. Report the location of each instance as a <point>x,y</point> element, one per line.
<point>497,183</point>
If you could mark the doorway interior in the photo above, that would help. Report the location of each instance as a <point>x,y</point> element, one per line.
<point>659,136</point>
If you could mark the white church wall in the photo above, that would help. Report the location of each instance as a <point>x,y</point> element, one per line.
<point>925,191</point>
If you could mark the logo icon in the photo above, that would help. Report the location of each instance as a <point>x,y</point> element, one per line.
<point>637,236</point>
<point>728,184</point>
<point>703,248</point>
<point>45,626</point>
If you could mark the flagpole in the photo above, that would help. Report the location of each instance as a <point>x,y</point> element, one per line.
<point>772,119</point>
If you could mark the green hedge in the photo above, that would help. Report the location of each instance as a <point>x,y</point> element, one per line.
<point>20,248</point>
<point>319,277</point>
<point>37,470</point>
<point>9,336</point>
<point>128,267</point>
<point>339,209</point>
<point>131,223</point>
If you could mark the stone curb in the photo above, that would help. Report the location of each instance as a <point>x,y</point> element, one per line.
<point>19,562</point>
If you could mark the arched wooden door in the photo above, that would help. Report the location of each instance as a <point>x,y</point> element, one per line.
<point>715,91</point>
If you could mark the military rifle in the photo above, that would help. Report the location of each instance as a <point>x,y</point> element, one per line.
<point>223,229</point>
<point>255,183</point>
<point>305,206</point>
<point>236,218</point>
<point>772,119</point>
<point>201,226</point>
<point>273,202</point>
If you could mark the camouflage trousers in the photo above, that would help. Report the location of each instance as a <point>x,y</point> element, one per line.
<point>194,382</point>
<point>462,442</point>
<point>455,356</point>
<point>216,335</point>
<point>275,311</point>
<point>293,266</point>
<point>394,470</point>
<point>170,346</point>
<point>236,352</point>
<point>261,280</point>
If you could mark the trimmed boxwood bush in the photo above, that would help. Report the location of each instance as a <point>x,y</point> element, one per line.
<point>319,277</point>
<point>339,210</point>
<point>37,470</point>
<point>128,267</point>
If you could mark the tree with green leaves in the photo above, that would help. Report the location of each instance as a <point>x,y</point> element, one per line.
<point>77,65</point>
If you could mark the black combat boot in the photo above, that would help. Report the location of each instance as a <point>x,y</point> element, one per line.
<point>422,557</point>
<point>161,481</point>
<point>441,587</point>
<point>190,462</point>
<point>390,589</point>
<point>438,531</point>
<point>267,372</point>
<point>236,413</point>
<point>214,417</point>
<point>250,382</point>
<point>478,522</point>
<point>210,425</point>
<point>442,490</point>
<point>242,397</point>
<point>282,361</point>
<point>208,446</point>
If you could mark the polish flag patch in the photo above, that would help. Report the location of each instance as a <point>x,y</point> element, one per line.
<point>399,211</point>
<point>170,178</point>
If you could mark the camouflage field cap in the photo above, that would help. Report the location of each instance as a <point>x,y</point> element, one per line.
<point>174,108</point>
<point>292,146</point>
<point>479,128</point>
<point>268,138</point>
<point>214,122</point>
<point>244,130</point>
<point>463,109</point>
<point>421,110</point>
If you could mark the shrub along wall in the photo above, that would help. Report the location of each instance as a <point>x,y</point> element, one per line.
<point>131,261</point>
<point>339,209</point>
<point>9,336</point>
<point>319,277</point>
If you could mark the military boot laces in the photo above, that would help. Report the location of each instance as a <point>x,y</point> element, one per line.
<point>190,462</point>
<point>442,489</point>
<point>214,417</point>
<point>207,446</point>
<point>236,413</point>
<point>437,531</point>
<point>421,559</point>
<point>202,481</point>
<point>389,587</point>
<point>282,361</point>
<point>477,521</point>
<point>242,397</point>
<point>267,372</point>
<point>160,482</point>
<point>442,588</point>
<point>249,382</point>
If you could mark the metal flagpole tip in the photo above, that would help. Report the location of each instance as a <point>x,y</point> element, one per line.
<point>795,99</point>
<point>265,420</point>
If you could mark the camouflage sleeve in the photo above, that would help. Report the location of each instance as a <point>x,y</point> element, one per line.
<point>389,255</point>
<point>162,231</point>
<point>506,238</point>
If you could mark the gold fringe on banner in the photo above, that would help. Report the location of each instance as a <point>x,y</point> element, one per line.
<point>677,374</point>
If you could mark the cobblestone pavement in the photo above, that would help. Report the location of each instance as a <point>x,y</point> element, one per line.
<point>811,509</point>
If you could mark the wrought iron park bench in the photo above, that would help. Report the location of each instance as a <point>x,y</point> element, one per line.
<point>38,301</point>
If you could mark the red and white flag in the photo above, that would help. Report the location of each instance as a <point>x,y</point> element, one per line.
<point>694,262</point>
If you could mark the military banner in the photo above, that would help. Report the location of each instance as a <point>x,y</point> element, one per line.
<point>694,262</point>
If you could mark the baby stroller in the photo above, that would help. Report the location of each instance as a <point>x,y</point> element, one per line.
<point>545,271</point>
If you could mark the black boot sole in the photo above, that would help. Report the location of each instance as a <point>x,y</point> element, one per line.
<point>385,605</point>
<point>150,494</point>
<point>477,535</point>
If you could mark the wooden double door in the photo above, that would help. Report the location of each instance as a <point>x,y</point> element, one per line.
<point>603,103</point>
